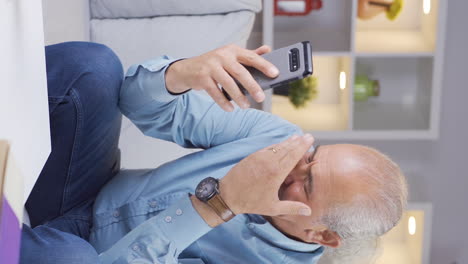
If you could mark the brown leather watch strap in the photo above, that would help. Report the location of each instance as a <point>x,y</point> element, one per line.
<point>221,208</point>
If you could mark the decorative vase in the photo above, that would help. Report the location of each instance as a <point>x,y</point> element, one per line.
<point>368,9</point>
<point>365,88</point>
<point>296,7</point>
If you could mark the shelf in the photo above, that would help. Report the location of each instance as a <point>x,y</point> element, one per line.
<point>330,110</point>
<point>395,54</point>
<point>360,135</point>
<point>311,118</point>
<point>387,116</point>
<point>405,55</point>
<point>404,102</point>
<point>328,29</point>
<point>337,41</point>
<point>402,247</point>
<point>394,41</point>
<point>412,31</point>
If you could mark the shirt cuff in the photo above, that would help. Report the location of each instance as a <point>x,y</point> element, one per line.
<point>165,235</point>
<point>151,76</point>
<point>182,224</point>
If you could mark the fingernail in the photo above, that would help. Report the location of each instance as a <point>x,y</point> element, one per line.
<point>308,137</point>
<point>259,96</point>
<point>295,137</point>
<point>273,71</point>
<point>245,105</point>
<point>304,211</point>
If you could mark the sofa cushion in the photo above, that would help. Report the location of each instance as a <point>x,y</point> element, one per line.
<point>137,40</point>
<point>151,8</point>
<point>138,30</point>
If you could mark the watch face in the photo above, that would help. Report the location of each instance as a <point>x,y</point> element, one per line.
<point>206,189</point>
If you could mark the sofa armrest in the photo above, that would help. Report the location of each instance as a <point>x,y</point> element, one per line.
<point>101,9</point>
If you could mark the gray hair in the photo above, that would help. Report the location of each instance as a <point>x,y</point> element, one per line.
<point>366,217</point>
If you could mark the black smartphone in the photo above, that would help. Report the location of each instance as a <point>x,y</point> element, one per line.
<point>294,62</point>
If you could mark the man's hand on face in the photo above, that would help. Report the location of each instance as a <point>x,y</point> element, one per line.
<point>252,185</point>
<point>221,66</point>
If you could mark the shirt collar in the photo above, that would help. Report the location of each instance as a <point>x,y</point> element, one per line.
<point>263,229</point>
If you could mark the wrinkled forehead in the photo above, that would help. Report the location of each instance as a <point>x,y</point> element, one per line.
<point>338,172</point>
<point>344,158</point>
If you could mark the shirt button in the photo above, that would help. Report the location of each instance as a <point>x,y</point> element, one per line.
<point>168,219</point>
<point>152,204</point>
<point>116,213</point>
<point>251,226</point>
<point>136,248</point>
<point>178,211</point>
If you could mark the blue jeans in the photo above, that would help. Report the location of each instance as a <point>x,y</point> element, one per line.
<point>84,82</point>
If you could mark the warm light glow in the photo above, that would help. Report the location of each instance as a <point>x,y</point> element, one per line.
<point>426,6</point>
<point>412,225</point>
<point>342,80</point>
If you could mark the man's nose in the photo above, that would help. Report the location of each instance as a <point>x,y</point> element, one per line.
<point>289,179</point>
<point>293,177</point>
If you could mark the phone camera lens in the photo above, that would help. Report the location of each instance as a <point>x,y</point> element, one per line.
<point>293,59</point>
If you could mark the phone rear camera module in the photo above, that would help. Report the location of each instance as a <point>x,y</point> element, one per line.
<point>294,59</point>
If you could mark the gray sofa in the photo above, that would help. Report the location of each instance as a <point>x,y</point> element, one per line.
<point>138,30</point>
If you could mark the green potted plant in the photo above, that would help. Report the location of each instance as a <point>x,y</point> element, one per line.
<point>299,92</point>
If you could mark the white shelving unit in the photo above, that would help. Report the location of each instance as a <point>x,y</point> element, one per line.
<point>405,55</point>
<point>332,103</point>
<point>410,241</point>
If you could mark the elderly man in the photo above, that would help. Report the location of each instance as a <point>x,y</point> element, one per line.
<point>258,195</point>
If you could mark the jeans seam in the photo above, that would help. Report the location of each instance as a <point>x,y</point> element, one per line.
<point>55,99</point>
<point>77,103</point>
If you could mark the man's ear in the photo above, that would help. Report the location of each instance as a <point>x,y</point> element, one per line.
<point>324,237</point>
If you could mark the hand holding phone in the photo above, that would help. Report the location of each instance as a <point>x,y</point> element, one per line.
<point>239,72</point>
<point>221,67</point>
<point>294,62</point>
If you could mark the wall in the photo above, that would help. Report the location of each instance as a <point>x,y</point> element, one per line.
<point>436,170</point>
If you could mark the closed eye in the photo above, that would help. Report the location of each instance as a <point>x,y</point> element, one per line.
<point>309,180</point>
<point>311,156</point>
<point>308,183</point>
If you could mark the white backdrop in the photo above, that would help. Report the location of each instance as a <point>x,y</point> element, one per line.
<point>24,119</point>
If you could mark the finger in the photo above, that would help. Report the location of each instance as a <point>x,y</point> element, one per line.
<point>291,208</point>
<point>288,153</point>
<point>275,154</point>
<point>219,97</point>
<point>263,49</point>
<point>297,140</point>
<point>250,58</point>
<point>230,86</point>
<point>241,74</point>
<point>272,150</point>
<point>293,152</point>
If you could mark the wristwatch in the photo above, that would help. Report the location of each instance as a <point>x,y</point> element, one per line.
<point>207,191</point>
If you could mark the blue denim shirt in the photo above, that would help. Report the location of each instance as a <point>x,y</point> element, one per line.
<point>146,216</point>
